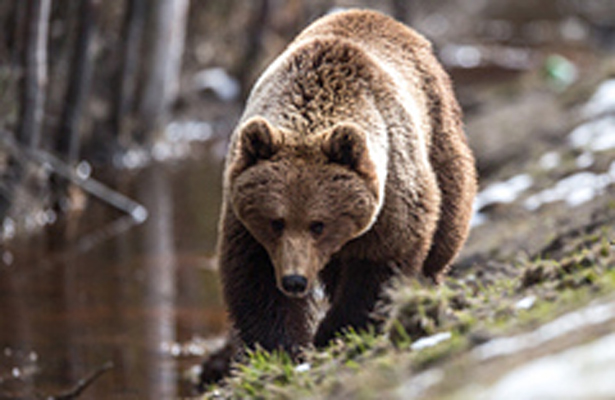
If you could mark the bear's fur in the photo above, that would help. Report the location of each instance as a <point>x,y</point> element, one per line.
<point>348,166</point>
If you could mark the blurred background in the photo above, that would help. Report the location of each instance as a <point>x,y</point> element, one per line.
<point>114,120</point>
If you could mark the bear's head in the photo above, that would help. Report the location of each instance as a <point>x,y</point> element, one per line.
<point>303,199</point>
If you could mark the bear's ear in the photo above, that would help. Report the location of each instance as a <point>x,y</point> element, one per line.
<point>345,144</point>
<point>258,141</point>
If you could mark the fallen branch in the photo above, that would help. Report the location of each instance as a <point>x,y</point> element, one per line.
<point>83,384</point>
<point>90,185</point>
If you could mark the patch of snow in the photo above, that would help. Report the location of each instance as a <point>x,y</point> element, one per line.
<point>582,372</point>
<point>585,160</point>
<point>550,160</point>
<point>430,341</point>
<point>566,324</point>
<point>596,135</point>
<point>503,192</point>
<point>219,81</point>
<point>574,190</point>
<point>478,219</point>
<point>602,101</point>
<point>303,367</point>
<point>525,303</point>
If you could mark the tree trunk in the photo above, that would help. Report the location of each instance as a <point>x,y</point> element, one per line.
<point>164,55</point>
<point>78,90</point>
<point>127,78</point>
<point>35,68</point>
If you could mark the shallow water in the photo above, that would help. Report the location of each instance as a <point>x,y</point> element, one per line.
<point>102,289</point>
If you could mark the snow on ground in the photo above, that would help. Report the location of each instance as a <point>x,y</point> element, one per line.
<point>500,192</point>
<point>566,324</point>
<point>602,101</point>
<point>596,135</point>
<point>575,189</point>
<point>431,341</point>
<point>583,372</point>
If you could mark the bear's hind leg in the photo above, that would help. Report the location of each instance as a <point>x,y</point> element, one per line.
<point>457,181</point>
<point>358,290</point>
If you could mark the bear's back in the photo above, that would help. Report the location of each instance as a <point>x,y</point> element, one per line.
<point>403,56</point>
<point>401,52</point>
<point>392,58</point>
<point>374,31</point>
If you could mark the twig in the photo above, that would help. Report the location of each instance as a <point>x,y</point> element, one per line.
<point>90,185</point>
<point>83,384</point>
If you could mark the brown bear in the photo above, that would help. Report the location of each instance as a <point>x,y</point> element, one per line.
<point>348,167</point>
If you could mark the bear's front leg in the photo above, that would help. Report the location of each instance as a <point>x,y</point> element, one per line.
<point>260,312</point>
<point>358,289</point>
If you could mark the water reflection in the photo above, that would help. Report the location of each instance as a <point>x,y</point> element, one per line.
<point>160,279</point>
<point>104,290</point>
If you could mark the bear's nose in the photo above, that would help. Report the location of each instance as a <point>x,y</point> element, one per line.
<point>294,284</point>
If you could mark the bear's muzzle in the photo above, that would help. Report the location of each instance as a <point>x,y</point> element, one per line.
<point>296,264</point>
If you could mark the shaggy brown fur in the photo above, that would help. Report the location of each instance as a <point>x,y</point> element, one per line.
<point>349,165</point>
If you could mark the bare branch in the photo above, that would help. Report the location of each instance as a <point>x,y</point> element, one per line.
<point>83,384</point>
<point>92,186</point>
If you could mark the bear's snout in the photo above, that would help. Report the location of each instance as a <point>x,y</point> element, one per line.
<point>294,285</point>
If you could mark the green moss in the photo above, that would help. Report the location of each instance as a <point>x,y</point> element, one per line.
<point>363,364</point>
<point>417,311</point>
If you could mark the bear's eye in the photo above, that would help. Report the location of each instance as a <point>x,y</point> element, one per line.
<point>277,225</point>
<point>316,228</point>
